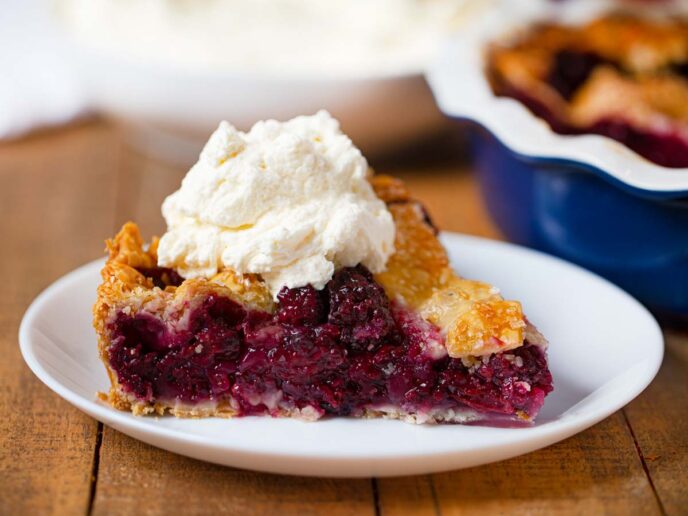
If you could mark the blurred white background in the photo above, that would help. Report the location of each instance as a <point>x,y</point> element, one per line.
<point>170,70</point>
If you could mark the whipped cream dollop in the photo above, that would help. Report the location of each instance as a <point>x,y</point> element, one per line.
<point>289,201</point>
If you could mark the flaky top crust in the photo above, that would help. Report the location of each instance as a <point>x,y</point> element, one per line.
<point>475,319</point>
<point>637,94</point>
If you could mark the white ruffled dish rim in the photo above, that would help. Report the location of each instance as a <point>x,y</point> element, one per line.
<point>462,91</point>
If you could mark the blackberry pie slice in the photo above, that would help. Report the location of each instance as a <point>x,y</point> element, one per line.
<point>291,282</point>
<point>619,76</point>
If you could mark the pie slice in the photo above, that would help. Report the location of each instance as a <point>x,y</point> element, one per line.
<point>415,342</point>
<point>619,76</point>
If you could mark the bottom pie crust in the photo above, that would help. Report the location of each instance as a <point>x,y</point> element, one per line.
<point>182,346</point>
<point>129,403</point>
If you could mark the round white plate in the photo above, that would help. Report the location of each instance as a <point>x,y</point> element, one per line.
<point>605,348</point>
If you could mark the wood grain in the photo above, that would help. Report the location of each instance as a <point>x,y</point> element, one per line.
<point>64,191</point>
<point>583,475</point>
<point>659,421</point>
<point>54,207</point>
<point>407,495</point>
<point>135,478</point>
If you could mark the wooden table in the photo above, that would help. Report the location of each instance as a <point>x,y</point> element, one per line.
<point>63,192</point>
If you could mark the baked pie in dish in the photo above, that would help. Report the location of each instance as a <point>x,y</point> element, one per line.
<point>217,320</point>
<point>618,76</point>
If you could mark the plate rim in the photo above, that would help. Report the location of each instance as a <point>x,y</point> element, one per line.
<point>387,464</point>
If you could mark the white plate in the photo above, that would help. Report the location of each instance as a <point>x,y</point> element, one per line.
<point>605,348</point>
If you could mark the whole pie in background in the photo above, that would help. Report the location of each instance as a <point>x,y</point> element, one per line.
<point>619,76</point>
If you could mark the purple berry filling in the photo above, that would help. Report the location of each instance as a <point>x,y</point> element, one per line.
<point>340,350</point>
<point>162,276</point>
<point>569,72</point>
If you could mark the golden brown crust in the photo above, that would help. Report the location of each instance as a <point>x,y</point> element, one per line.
<point>640,45</point>
<point>390,189</point>
<point>128,248</point>
<point>122,279</point>
<point>126,290</point>
<point>415,269</point>
<point>121,401</point>
<point>477,320</point>
<point>640,93</point>
<point>609,94</point>
<point>474,317</point>
<point>525,66</point>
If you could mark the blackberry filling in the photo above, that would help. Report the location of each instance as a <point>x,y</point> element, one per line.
<point>667,149</point>
<point>570,70</point>
<point>162,277</point>
<point>340,351</point>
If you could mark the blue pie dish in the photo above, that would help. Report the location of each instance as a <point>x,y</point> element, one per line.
<point>571,209</point>
<point>587,199</point>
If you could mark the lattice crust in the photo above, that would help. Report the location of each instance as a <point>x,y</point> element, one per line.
<point>609,94</point>
<point>525,64</point>
<point>475,318</point>
<point>639,45</point>
<point>639,94</point>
